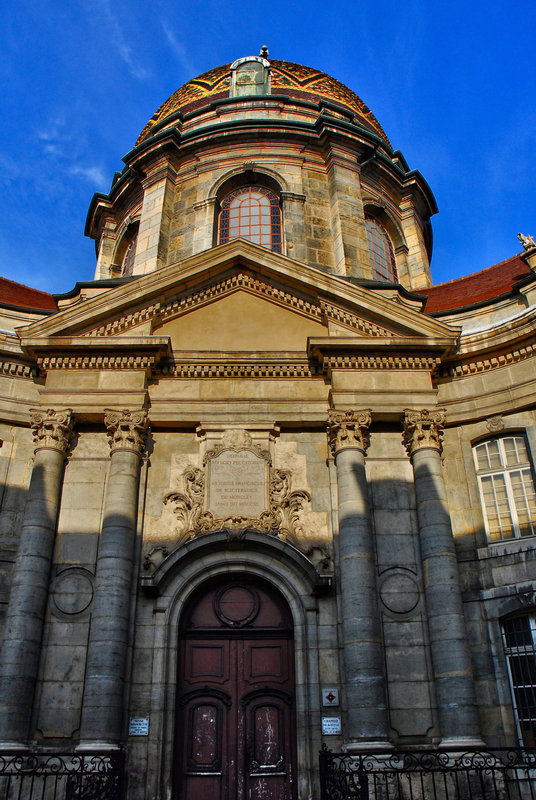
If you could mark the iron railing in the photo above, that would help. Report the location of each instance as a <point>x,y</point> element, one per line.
<point>498,774</point>
<point>61,776</point>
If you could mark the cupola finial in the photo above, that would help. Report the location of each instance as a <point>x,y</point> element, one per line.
<point>264,51</point>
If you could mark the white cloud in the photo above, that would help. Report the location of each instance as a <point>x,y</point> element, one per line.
<point>119,43</point>
<point>10,170</point>
<point>180,51</point>
<point>93,174</point>
<point>54,136</point>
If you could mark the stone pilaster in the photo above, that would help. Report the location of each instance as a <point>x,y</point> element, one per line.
<point>107,244</point>
<point>448,637</point>
<point>155,221</point>
<point>294,225</point>
<point>102,710</point>
<point>204,222</point>
<point>350,244</point>
<point>19,659</point>
<point>367,725</point>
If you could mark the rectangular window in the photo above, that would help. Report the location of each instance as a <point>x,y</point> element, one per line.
<point>507,489</point>
<point>519,638</point>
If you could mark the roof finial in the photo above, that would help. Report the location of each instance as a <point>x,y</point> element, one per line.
<point>264,51</point>
<point>527,241</point>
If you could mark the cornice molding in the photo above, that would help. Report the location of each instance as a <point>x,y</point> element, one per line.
<point>16,369</point>
<point>380,362</point>
<point>199,365</point>
<point>492,362</point>
<point>47,363</point>
<point>321,311</point>
<point>342,316</point>
<point>79,352</point>
<point>503,334</point>
<point>385,353</point>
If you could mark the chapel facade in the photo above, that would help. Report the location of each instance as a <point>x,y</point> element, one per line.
<point>265,486</point>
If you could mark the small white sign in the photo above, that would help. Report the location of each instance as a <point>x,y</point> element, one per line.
<point>331,726</point>
<point>330,697</point>
<point>138,726</point>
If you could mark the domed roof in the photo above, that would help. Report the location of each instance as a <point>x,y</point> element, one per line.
<point>290,79</point>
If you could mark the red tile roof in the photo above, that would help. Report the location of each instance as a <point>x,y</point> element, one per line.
<point>16,294</point>
<point>477,287</point>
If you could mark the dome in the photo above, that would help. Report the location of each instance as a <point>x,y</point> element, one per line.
<point>294,80</point>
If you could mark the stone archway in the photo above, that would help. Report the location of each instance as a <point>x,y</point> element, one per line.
<point>174,583</point>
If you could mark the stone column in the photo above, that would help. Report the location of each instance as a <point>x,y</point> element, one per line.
<point>361,628</point>
<point>102,709</point>
<point>451,658</point>
<point>19,659</point>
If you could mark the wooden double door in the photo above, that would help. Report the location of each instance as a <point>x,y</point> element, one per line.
<point>235,715</point>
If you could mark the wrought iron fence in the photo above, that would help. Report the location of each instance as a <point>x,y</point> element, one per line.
<point>61,776</point>
<point>499,774</point>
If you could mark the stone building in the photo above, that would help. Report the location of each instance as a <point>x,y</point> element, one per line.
<point>263,485</point>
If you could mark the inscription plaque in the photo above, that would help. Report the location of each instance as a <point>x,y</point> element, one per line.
<point>331,726</point>
<point>138,726</point>
<point>237,484</point>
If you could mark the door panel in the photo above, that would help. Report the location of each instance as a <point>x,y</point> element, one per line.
<point>269,749</point>
<point>235,688</point>
<point>205,738</point>
<point>207,661</point>
<point>266,662</point>
<point>204,743</point>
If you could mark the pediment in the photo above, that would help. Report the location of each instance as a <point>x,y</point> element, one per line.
<point>240,297</point>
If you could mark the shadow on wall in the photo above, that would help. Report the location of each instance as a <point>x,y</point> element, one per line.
<point>399,580</point>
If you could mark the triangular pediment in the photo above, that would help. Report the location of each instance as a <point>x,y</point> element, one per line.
<point>237,296</point>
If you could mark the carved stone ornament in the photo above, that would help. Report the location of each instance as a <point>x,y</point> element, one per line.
<point>495,424</point>
<point>527,598</point>
<point>423,429</point>
<point>527,241</point>
<point>126,429</point>
<point>236,440</point>
<point>349,429</point>
<point>154,557</point>
<point>52,430</point>
<point>280,518</point>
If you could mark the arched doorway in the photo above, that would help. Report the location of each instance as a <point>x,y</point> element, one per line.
<point>235,734</point>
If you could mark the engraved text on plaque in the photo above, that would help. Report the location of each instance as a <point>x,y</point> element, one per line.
<point>237,484</point>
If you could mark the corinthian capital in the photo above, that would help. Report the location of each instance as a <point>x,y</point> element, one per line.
<point>423,429</point>
<point>52,430</point>
<point>126,429</point>
<point>349,429</point>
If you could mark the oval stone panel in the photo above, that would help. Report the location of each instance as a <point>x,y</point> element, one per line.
<point>399,593</point>
<point>73,591</point>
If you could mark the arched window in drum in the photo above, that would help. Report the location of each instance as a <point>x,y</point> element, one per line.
<point>252,213</point>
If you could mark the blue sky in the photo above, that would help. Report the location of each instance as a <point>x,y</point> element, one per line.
<point>452,83</point>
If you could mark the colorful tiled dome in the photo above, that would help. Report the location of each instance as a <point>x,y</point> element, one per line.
<point>290,79</point>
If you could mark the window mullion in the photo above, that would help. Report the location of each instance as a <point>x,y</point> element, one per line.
<point>485,505</point>
<point>512,503</point>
